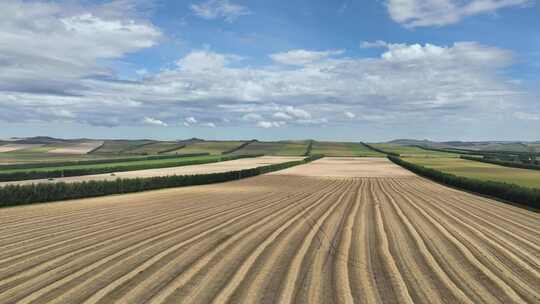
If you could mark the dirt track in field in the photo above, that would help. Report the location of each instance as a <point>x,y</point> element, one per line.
<point>280,238</point>
<point>224,166</point>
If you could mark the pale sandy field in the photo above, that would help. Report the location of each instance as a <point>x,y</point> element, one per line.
<point>279,238</point>
<point>230,165</point>
<point>80,148</point>
<point>15,147</point>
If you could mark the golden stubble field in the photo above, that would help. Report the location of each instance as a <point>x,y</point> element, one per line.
<point>333,231</point>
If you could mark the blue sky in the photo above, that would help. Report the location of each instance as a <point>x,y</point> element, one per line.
<point>343,70</point>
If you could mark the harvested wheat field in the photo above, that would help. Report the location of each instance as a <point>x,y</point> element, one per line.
<point>328,236</point>
<point>78,148</point>
<point>216,167</point>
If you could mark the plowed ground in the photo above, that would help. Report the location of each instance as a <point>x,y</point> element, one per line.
<point>280,238</point>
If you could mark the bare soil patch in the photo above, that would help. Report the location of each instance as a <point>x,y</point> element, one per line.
<point>275,239</point>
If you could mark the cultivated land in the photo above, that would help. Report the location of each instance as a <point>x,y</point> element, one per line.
<point>215,167</point>
<point>406,151</point>
<point>343,149</point>
<point>212,147</point>
<point>316,233</point>
<point>259,147</point>
<point>156,148</point>
<point>479,170</point>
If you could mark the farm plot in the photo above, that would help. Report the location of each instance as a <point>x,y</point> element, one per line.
<point>293,148</point>
<point>120,146</point>
<point>77,148</point>
<point>212,147</point>
<point>343,149</point>
<point>406,151</point>
<point>17,147</point>
<point>259,147</point>
<point>277,238</point>
<point>212,167</point>
<point>156,148</point>
<point>480,170</point>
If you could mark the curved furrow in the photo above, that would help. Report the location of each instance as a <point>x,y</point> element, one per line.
<point>467,276</point>
<point>168,277</point>
<point>136,239</point>
<point>41,241</point>
<point>250,240</point>
<point>62,227</point>
<point>295,268</point>
<point>511,243</point>
<point>397,282</point>
<point>446,284</point>
<point>511,231</point>
<point>89,242</point>
<point>503,262</point>
<point>363,271</point>
<point>343,262</point>
<point>454,237</point>
<point>132,273</point>
<point>511,215</point>
<point>319,275</point>
<point>268,265</point>
<point>113,255</point>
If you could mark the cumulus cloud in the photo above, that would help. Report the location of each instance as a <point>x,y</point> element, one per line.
<point>418,13</point>
<point>270,124</point>
<point>349,114</point>
<point>281,115</point>
<point>209,124</point>
<point>223,9</point>
<point>153,121</point>
<point>403,82</point>
<point>302,57</point>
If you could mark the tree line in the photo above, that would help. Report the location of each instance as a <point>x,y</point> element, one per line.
<point>13,195</point>
<point>124,166</point>
<point>388,153</point>
<point>94,161</point>
<point>512,164</point>
<point>529,197</point>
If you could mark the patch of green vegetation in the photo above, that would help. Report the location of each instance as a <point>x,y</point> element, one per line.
<point>212,147</point>
<point>155,148</point>
<point>18,157</point>
<point>293,148</point>
<point>120,146</point>
<point>408,151</point>
<point>117,165</point>
<point>260,147</point>
<point>343,149</point>
<point>479,170</point>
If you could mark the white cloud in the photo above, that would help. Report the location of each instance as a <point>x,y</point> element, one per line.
<point>213,9</point>
<point>209,124</point>
<point>270,124</point>
<point>252,117</point>
<point>407,81</point>
<point>153,121</point>
<point>302,57</point>
<point>417,13</point>
<point>191,120</point>
<point>204,60</point>
<point>349,114</point>
<point>296,112</point>
<point>281,115</point>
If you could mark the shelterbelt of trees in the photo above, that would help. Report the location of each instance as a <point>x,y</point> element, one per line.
<point>12,195</point>
<point>98,168</point>
<point>532,166</point>
<point>529,197</point>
